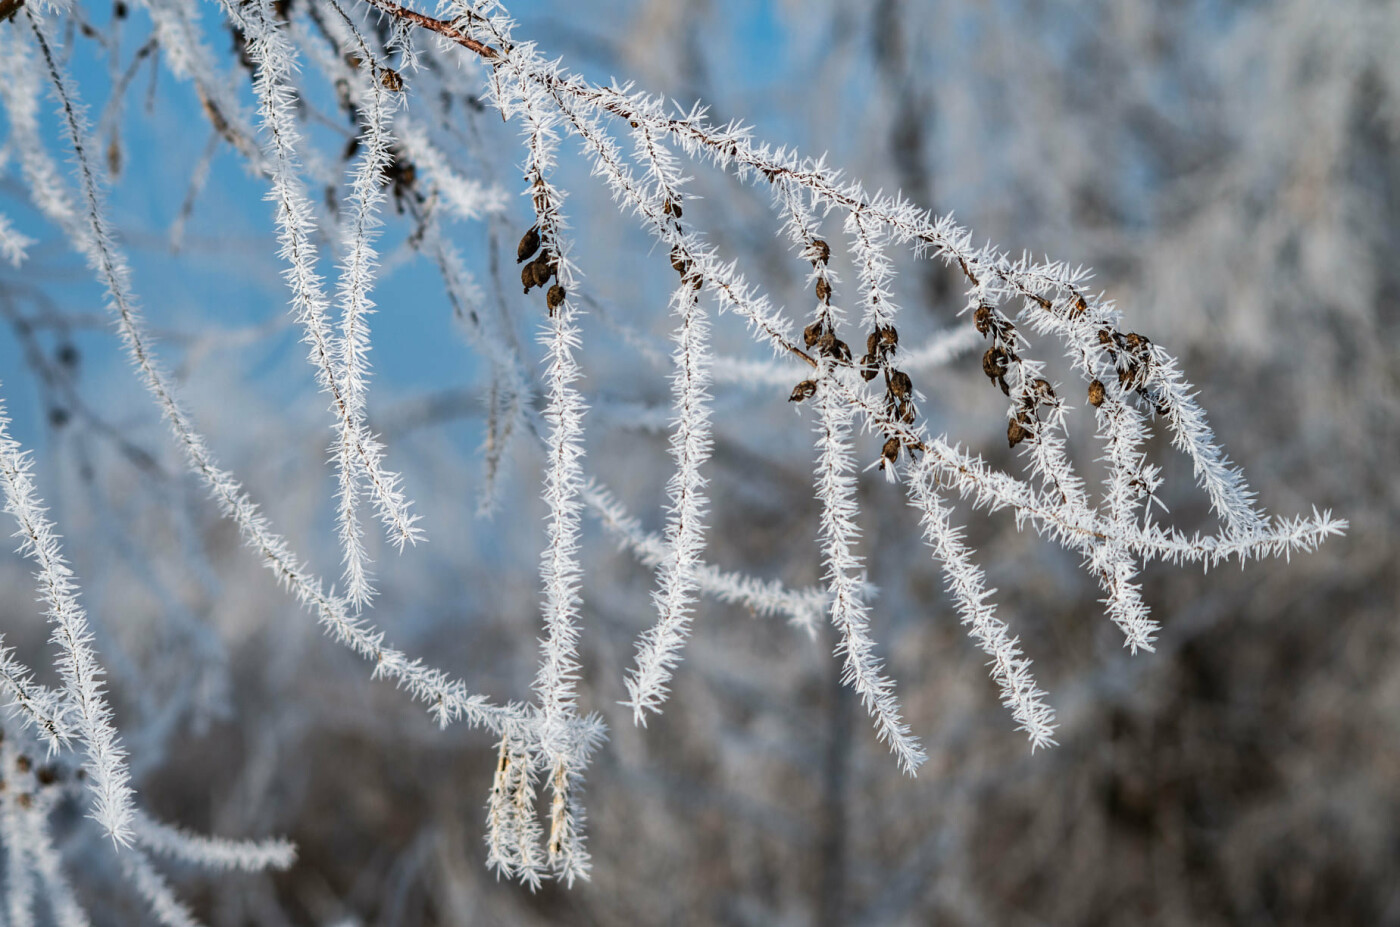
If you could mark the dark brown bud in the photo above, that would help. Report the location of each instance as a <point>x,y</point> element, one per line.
<point>1080,306</point>
<point>1016,433</point>
<point>872,341</point>
<point>555,297</point>
<point>868,369</point>
<point>901,387</point>
<point>803,390</point>
<point>1105,337</point>
<point>906,412</point>
<point>1096,393</point>
<point>812,333</point>
<point>889,336</point>
<point>119,10</point>
<point>1042,389</point>
<point>823,290</point>
<point>891,450</point>
<point>673,209</point>
<point>47,775</point>
<point>527,276</point>
<point>391,80</point>
<point>822,249</point>
<point>529,244</point>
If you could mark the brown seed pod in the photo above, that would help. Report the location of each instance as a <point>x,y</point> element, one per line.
<point>47,775</point>
<point>834,347</point>
<point>823,290</point>
<point>555,298</point>
<point>891,450</point>
<point>1015,433</point>
<point>679,262</point>
<point>982,318</point>
<point>1080,306</point>
<point>803,390</point>
<point>994,363</point>
<point>872,341</point>
<point>906,412</point>
<point>1105,336</point>
<point>889,336</point>
<point>672,209</point>
<point>1135,342</point>
<point>529,244</point>
<point>813,333</point>
<point>868,369</point>
<point>1042,389</point>
<point>822,249</point>
<point>391,80</point>
<point>527,276</point>
<point>1096,393</point>
<point>544,268</point>
<point>901,387</point>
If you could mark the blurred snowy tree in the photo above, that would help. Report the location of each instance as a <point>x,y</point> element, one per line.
<point>1232,169</point>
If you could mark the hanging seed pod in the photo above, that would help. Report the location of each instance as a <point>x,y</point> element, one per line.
<point>47,775</point>
<point>1105,337</point>
<point>678,261</point>
<point>823,290</point>
<point>544,268</point>
<point>1015,433</point>
<point>1135,342</point>
<point>672,209</point>
<point>527,276</point>
<point>982,318</point>
<point>391,80</point>
<point>889,336</point>
<point>868,369</point>
<point>906,412</point>
<point>872,341</point>
<point>901,387</point>
<point>1096,393</point>
<point>803,390</point>
<point>890,452</point>
<point>822,249</point>
<point>1042,389</point>
<point>1080,306</point>
<point>555,298</point>
<point>994,363</point>
<point>813,333</point>
<point>529,244</point>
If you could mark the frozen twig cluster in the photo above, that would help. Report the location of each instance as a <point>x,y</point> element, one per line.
<point>866,410</point>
